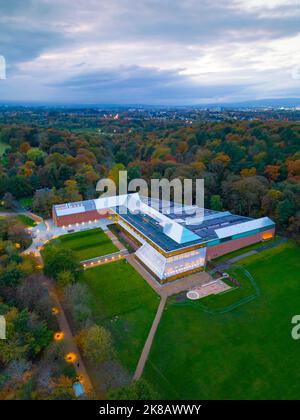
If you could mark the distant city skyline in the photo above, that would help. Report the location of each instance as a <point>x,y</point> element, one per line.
<point>150,52</point>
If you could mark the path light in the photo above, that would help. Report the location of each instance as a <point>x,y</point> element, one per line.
<point>70,357</point>
<point>55,310</point>
<point>18,246</point>
<point>58,336</point>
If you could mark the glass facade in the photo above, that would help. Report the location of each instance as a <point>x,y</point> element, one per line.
<point>164,267</point>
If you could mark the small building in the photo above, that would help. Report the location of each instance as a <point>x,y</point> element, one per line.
<point>174,241</point>
<point>78,212</point>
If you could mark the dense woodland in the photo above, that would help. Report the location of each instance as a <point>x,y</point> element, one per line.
<point>251,168</point>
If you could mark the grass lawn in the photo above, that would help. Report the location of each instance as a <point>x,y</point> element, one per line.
<point>123,302</point>
<point>26,202</point>
<point>244,250</point>
<point>247,353</point>
<point>87,244</point>
<point>27,221</point>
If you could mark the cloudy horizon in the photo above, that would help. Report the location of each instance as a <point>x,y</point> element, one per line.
<point>150,52</point>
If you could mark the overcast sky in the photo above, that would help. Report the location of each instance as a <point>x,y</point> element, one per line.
<point>150,51</point>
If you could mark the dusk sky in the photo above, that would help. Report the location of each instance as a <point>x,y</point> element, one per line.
<point>150,51</point>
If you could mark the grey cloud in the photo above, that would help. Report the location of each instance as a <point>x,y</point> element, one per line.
<point>29,28</point>
<point>141,85</point>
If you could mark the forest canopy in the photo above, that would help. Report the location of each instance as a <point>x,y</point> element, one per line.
<point>250,167</point>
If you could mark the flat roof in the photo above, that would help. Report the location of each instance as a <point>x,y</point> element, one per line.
<point>163,224</point>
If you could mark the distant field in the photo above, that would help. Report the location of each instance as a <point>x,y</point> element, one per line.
<point>87,244</point>
<point>247,353</point>
<point>26,220</point>
<point>124,303</point>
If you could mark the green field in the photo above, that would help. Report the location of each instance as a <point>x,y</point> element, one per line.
<point>87,244</point>
<point>27,221</point>
<point>247,353</point>
<point>124,303</point>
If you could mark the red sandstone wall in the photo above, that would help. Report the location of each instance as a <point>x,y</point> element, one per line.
<point>80,217</point>
<point>226,247</point>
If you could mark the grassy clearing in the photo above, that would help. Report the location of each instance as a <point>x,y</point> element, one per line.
<point>247,353</point>
<point>87,244</point>
<point>27,221</point>
<point>124,303</point>
<point>26,202</point>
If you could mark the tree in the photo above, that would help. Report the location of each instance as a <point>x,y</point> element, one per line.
<point>10,277</point>
<point>71,191</point>
<point>57,260</point>
<point>36,155</point>
<point>43,201</point>
<point>114,173</point>
<point>248,172</point>
<point>138,390</point>
<point>34,296</point>
<point>19,186</point>
<point>285,210</point>
<point>216,202</point>
<point>96,344</point>
<point>61,389</point>
<point>8,201</point>
<point>294,227</point>
<point>17,233</point>
<point>272,172</point>
<point>64,278</point>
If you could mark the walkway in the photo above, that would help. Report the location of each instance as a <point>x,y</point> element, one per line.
<point>173,287</point>
<point>148,344</point>
<point>33,216</point>
<point>68,341</point>
<point>115,240</point>
<point>104,259</point>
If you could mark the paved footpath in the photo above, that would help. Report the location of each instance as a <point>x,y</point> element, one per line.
<point>114,240</point>
<point>148,344</point>
<point>68,341</point>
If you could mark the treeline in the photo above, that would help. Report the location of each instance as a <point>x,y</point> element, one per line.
<point>251,168</point>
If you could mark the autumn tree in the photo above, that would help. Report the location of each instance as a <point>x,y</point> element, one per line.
<point>96,344</point>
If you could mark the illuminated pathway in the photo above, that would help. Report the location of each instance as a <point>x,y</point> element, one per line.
<point>70,346</point>
<point>104,259</point>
